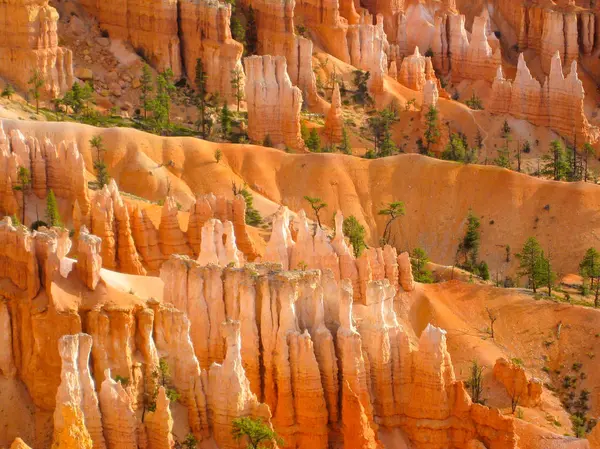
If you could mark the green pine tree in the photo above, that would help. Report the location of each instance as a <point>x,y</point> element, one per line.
<point>8,91</point>
<point>531,263</point>
<point>52,214</point>
<point>256,433</point>
<point>36,81</point>
<point>418,261</point>
<point>314,141</point>
<point>23,185</point>
<point>345,146</point>
<point>146,88</point>
<point>589,268</point>
<point>469,245</point>
<point>432,130</point>
<point>355,233</point>
<point>225,119</point>
<point>556,162</point>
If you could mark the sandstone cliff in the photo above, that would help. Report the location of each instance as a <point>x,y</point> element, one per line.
<point>205,33</point>
<point>273,102</point>
<point>29,43</point>
<point>557,104</point>
<point>519,387</point>
<point>150,27</point>
<point>303,323</point>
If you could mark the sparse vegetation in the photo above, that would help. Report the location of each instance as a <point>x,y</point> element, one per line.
<point>253,217</point>
<point>393,211</point>
<point>355,232</point>
<point>316,204</point>
<point>475,383</point>
<point>255,432</point>
<point>52,214</point>
<point>419,261</point>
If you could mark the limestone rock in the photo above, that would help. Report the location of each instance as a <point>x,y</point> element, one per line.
<point>118,417</point>
<point>19,444</point>
<point>145,236</point>
<point>29,42</point>
<point>527,391</point>
<point>150,27</point>
<point>229,394</point>
<point>334,123</point>
<point>18,262</point>
<point>273,102</point>
<point>77,393</point>
<point>405,272</point>
<point>205,34</point>
<point>7,364</point>
<point>159,423</point>
<point>558,104</point>
<point>412,71</point>
<point>218,245</point>
<point>171,239</point>
<point>89,260</point>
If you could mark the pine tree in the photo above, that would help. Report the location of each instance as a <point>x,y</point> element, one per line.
<point>345,146</point>
<point>23,185</point>
<point>251,32</point>
<point>361,94</point>
<point>419,261</point>
<point>52,214</point>
<point>555,163</point>
<point>588,151</point>
<point>267,142</point>
<point>432,130</point>
<point>469,246</point>
<point>236,85</point>
<point>8,91</point>
<point>355,233</point>
<point>393,211</point>
<point>237,30</point>
<point>316,205</point>
<point>457,150</point>
<point>99,165</point>
<point>146,88</point>
<point>257,434</point>
<point>531,263</point>
<point>225,119</point>
<point>314,141</point>
<point>161,104</point>
<point>589,268</point>
<point>36,81</point>
<point>200,79</point>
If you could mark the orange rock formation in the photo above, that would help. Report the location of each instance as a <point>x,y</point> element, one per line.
<point>273,102</point>
<point>558,104</point>
<point>29,43</point>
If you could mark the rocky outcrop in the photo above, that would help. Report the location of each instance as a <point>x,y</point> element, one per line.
<point>29,44</point>
<point>415,70</point>
<point>159,423</point>
<point>334,122</point>
<point>205,34</point>
<point>58,168</point>
<point>547,29</point>
<point>277,37</point>
<point>211,206</point>
<point>18,261</point>
<point>218,245</point>
<point>558,104</point>
<point>76,396</point>
<point>229,394</point>
<point>519,387</point>
<point>171,239</point>
<point>273,102</point>
<point>150,27</point>
<point>368,47</point>
<point>109,220</point>
<point>118,415</point>
<point>89,259</point>
<point>473,58</point>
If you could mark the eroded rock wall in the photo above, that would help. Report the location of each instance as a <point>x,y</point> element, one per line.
<point>557,104</point>
<point>29,43</point>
